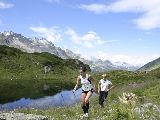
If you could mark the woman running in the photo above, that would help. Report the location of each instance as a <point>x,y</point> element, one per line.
<point>87,89</point>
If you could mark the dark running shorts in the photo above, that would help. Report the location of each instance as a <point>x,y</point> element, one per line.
<point>87,91</point>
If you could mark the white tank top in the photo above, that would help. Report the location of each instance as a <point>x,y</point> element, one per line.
<point>86,84</point>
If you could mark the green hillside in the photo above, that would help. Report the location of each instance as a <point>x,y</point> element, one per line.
<point>151,65</point>
<point>34,74</point>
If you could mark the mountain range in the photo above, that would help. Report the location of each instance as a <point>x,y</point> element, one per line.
<point>36,44</point>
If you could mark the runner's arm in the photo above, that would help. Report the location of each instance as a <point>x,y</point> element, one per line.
<point>77,84</point>
<point>93,81</point>
<point>111,87</point>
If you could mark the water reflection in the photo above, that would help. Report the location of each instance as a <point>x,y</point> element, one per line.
<point>60,99</point>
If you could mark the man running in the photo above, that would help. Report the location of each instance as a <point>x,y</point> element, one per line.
<point>104,87</point>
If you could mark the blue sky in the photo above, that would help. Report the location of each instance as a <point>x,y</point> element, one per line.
<point>116,30</point>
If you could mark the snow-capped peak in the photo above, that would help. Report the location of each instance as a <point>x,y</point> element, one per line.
<point>41,40</point>
<point>7,33</point>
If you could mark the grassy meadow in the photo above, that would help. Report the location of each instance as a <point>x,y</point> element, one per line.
<point>145,106</point>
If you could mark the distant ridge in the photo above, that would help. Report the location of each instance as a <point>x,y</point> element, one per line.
<point>151,65</point>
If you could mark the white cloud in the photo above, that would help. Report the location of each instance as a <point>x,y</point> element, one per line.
<point>97,8</point>
<point>52,34</point>
<point>5,5</point>
<point>111,41</point>
<point>56,1</point>
<point>134,60</point>
<point>149,11</point>
<point>89,40</point>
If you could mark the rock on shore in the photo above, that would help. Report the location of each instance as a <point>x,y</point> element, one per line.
<point>21,116</point>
